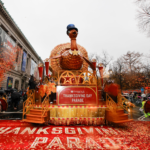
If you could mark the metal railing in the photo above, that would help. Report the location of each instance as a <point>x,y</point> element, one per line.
<point>29,103</point>
<point>124,103</point>
<point>111,105</point>
<point>45,105</point>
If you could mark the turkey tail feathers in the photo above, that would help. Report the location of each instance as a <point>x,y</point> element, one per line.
<point>90,64</point>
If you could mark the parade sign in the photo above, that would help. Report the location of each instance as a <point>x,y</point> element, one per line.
<point>33,66</point>
<point>24,58</point>
<point>6,41</point>
<point>9,82</point>
<point>77,95</point>
<point>7,46</point>
<point>18,135</point>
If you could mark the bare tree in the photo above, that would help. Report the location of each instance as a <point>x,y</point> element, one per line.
<point>139,2</point>
<point>143,16</point>
<point>105,58</point>
<point>126,70</point>
<point>132,60</point>
<point>118,71</point>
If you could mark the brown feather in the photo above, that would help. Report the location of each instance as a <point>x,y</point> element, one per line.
<point>90,63</point>
<point>58,56</point>
<point>50,69</point>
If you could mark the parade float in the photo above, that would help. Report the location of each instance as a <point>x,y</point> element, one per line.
<point>78,94</point>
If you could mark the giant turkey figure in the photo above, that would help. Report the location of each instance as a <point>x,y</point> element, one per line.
<point>70,58</point>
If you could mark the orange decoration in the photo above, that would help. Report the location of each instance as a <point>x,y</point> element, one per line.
<point>113,89</point>
<point>48,88</point>
<point>27,91</point>
<point>42,90</point>
<point>53,87</point>
<point>106,88</point>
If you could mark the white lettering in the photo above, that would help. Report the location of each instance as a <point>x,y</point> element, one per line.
<point>99,131</point>
<point>57,130</point>
<point>88,95</point>
<point>79,130</point>
<point>77,100</point>
<point>38,140</point>
<point>105,130</point>
<point>67,95</point>
<point>71,131</point>
<point>15,131</point>
<point>42,130</point>
<point>90,143</point>
<point>112,131</point>
<point>108,142</point>
<point>79,95</point>
<point>88,131</point>
<point>28,130</point>
<point>2,130</point>
<point>73,141</point>
<point>55,142</point>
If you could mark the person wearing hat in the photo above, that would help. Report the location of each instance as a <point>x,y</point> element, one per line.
<point>15,97</point>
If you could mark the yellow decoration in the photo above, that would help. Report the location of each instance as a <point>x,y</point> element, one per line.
<point>76,112</point>
<point>75,52</point>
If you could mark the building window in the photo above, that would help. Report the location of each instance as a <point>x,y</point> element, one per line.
<point>9,83</point>
<point>26,85</point>
<point>16,84</point>
<point>27,62</point>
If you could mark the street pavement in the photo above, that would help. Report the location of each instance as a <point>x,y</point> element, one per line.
<point>136,114</point>
<point>10,113</point>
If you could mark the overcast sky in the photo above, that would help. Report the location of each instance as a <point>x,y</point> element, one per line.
<point>108,25</point>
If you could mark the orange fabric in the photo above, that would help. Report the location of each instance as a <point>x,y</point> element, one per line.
<point>113,89</point>
<point>48,89</point>
<point>42,90</point>
<point>106,88</point>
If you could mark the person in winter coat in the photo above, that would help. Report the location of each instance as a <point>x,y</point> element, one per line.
<point>146,113</point>
<point>32,84</point>
<point>15,97</point>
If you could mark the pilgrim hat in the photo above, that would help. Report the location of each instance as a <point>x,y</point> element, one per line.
<point>70,27</point>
